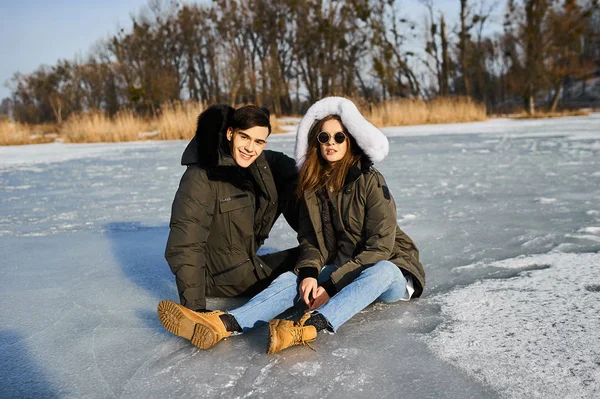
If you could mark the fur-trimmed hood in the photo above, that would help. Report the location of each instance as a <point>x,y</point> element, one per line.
<point>210,143</point>
<point>371,140</point>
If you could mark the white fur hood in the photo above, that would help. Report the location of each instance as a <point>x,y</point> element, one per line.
<point>370,139</point>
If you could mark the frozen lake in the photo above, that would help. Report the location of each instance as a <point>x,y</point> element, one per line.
<point>506,215</point>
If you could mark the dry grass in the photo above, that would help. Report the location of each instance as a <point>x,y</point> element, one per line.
<point>178,121</point>
<point>275,126</point>
<point>95,127</point>
<point>173,122</point>
<point>542,115</point>
<point>405,112</point>
<point>12,133</point>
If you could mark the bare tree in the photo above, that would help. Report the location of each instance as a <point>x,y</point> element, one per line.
<point>567,26</point>
<point>432,48</point>
<point>390,63</point>
<point>463,47</point>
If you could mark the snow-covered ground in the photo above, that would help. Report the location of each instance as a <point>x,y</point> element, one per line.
<point>506,215</point>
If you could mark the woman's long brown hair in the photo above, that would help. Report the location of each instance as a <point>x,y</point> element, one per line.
<point>316,172</point>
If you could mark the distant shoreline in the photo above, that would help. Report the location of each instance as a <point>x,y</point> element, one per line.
<point>179,121</point>
<point>383,117</point>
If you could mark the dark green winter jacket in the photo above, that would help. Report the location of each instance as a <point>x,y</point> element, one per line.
<point>367,213</point>
<point>220,218</point>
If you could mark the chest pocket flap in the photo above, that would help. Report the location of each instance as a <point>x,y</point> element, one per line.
<point>234,202</point>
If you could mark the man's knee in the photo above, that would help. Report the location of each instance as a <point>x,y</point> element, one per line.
<point>286,278</point>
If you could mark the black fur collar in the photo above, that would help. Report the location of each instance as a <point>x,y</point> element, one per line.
<point>234,175</point>
<point>358,169</point>
<point>209,146</point>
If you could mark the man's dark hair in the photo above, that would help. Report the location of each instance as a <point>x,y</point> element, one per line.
<point>250,116</point>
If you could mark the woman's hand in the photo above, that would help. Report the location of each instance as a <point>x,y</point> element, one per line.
<point>307,287</point>
<point>321,298</point>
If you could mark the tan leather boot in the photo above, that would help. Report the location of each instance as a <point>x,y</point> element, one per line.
<point>202,329</point>
<point>286,333</point>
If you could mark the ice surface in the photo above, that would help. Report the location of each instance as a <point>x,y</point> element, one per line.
<point>535,335</point>
<point>505,214</point>
<point>58,152</point>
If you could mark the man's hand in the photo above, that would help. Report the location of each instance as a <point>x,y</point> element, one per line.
<point>307,287</point>
<point>321,298</point>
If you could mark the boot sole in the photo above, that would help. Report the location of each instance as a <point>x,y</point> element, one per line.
<point>272,337</point>
<point>176,321</point>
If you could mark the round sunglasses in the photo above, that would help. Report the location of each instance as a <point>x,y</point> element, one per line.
<point>338,137</point>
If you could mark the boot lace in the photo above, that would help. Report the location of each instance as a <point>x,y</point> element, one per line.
<point>297,336</point>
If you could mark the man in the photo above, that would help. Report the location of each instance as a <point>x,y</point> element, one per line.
<point>228,200</point>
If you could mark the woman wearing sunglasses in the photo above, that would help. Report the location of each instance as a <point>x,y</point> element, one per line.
<point>353,252</point>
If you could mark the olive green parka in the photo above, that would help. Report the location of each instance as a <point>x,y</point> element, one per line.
<point>219,218</point>
<point>367,212</point>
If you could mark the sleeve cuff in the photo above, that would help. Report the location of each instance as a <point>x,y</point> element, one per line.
<point>305,272</point>
<point>329,288</point>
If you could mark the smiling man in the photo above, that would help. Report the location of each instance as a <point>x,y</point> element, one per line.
<point>247,145</point>
<point>229,197</point>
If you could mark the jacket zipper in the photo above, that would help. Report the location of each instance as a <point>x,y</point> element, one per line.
<point>231,268</point>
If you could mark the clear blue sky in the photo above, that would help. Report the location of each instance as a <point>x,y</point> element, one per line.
<point>36,32</point>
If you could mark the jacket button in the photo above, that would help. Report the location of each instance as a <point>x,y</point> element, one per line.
<point>348,190</point>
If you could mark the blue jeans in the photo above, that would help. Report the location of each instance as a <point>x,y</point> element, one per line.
<point>383,281</point>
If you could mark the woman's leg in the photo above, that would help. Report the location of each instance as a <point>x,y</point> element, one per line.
<point>383,281</point>
<point>279,296</point>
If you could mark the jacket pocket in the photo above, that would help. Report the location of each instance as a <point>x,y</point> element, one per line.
<point>237,215</point>
<point>233,275</point>
<point>234,202</point>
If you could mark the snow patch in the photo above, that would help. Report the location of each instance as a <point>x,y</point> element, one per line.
<point>588,237</point>
<point>590,230</point>
<point>540,329</point>
<point>264,373</point>
<point>345,352</point>
<point>305,369</point>
<point>543,200</point>
<point>407,217</point>
<point>539,241</point>
<point>22,187</point>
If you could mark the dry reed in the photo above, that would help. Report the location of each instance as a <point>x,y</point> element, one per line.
<point>178,121</point>
<point>403,112</point>
<point>275,126</point>
<point>95,127</point>
<point>557,114</point>
<point>14,133</point>
<point>173,122</point>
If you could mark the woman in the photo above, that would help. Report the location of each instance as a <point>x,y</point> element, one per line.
<point>348,222</point>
